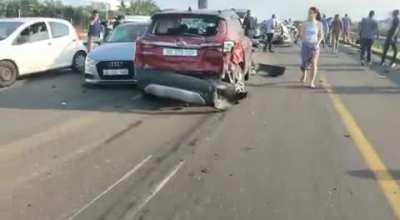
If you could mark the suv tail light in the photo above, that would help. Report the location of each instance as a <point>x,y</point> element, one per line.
<point>144,45</point>
<point>228,46</point>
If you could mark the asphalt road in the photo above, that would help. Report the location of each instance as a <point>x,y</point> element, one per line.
<point>285,152</point>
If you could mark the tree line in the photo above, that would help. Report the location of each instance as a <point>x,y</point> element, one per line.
<point>78,15</point>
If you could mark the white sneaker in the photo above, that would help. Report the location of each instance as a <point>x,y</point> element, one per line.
<point>394,65</point>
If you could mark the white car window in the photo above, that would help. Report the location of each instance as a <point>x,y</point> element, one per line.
<point>59,29</point>
<point>7,28</point>
<point>33,33</point>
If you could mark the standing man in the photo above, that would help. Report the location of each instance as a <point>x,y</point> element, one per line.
<point>336,29</point>
<point>269,27</point>
<point>391,39</point>
<point>368,32</point>
<point>248,24</point>
<point>94,29</point>
<point>325,28</point>
<point>346,28</point>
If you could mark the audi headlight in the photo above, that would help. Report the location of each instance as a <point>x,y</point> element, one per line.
<point>90,66</point>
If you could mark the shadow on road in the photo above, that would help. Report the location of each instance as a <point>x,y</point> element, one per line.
<point>349,90</point>
<point>340,69</point>
<point>367,90</point>
<point>340,65</point>
<point>63,90</point>
<point>368,174</point>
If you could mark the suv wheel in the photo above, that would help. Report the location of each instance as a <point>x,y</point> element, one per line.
<point>8,73</point>
<point>78,63</point>
<point>237,78</point>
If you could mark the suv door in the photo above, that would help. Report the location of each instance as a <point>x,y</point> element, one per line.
<point>63,49</point>
<point>31,49</point>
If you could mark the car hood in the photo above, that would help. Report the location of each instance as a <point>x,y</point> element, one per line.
<point>114,51</point>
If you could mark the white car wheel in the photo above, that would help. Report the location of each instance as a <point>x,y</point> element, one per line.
<point>78,63</point>
<point>8,73</point>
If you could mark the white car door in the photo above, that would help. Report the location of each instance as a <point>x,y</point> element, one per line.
<point>63,44</point>
<point>31,49</point>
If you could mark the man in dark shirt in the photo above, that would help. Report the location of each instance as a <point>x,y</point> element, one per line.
<point>368,32</point>
<point>391,39</point>
<point>94,29</point>
<point>248,24</point>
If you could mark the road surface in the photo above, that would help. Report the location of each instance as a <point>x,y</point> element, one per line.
<point>286,152</point>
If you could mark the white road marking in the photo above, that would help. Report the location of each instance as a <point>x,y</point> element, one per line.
<point>157,189</point>
<point>126,176</point>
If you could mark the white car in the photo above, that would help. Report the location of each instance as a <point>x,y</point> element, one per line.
<point>31,45</point>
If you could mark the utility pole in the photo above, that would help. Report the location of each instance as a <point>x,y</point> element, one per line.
<point>203,4</point>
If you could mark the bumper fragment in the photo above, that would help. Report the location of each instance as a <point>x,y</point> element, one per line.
<point>172,85</point>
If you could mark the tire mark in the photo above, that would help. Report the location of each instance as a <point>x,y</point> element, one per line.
<point>123,131</point>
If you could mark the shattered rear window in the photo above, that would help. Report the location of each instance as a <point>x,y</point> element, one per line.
<point>186,25</point>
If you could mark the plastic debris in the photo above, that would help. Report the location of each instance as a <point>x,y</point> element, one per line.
<point>204,170</point>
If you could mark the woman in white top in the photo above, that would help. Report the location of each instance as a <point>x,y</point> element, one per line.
<point>311,35</point>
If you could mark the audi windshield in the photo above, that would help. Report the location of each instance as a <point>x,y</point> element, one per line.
<point>127,33</point>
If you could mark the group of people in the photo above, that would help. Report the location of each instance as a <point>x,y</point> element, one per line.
<point>317,30</point>
<point>100,30</point>
<point>369,31</point>
<point>335,28</point>
<point>267,28</point>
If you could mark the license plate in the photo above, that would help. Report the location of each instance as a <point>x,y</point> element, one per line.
<point>116,72</point>
<point>179,52</point>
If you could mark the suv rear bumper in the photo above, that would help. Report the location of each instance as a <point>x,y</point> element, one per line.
<point>176,86</point>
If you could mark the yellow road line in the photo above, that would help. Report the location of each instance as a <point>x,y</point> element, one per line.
<point>388,184</point>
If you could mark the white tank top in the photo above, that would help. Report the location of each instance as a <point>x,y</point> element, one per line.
<point>310,32</point>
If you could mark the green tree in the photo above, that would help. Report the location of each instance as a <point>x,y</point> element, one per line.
<point>122,7</point>
<point>141,7</point>
<point>79,16</point>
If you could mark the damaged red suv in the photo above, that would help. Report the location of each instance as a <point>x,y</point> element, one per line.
<point>200,57</point>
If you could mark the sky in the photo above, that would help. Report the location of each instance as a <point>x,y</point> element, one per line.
<point>295,9</point>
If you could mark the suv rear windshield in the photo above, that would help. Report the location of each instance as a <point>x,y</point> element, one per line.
<point>185,25</point>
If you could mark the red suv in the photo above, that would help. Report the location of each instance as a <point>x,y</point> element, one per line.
<point>199,57</point>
